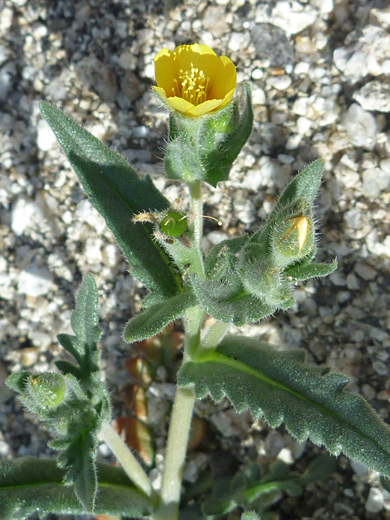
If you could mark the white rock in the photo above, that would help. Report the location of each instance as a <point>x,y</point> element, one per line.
<point>325,6</point>
<point>361,126</point>
<point>86,212</point>
<point>291,16</point>
<point>45,136</point>
<point>258,95</point>
<point>5,19</point>
<point>374,181</point>
<point>238,40</point>
<point>375,95</point>
<point>34,281</point>
<point>381,17</point>
<point>370,54</point>
<point>374,502</point>
<point>21,214</point>
<point>280,82</point>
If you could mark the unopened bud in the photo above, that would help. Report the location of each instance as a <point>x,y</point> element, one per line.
<point>292,239</point>
<point>47,390</point>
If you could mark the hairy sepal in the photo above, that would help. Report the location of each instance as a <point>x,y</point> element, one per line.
<point>205,148</point>
<point>310,400</point>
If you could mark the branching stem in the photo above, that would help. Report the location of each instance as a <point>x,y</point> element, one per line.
<point>127,460</point>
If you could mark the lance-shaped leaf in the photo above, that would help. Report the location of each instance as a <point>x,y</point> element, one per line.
<point>310,400</point>
<point>118,193</point>
<point>29,484</point>
<point>305,270</point>
<point>152,320</point>
<point>84,321</point>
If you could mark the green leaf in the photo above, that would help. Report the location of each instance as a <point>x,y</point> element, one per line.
<point>84,321</point>
<point>152,320</point>
<point>306,271</point>
<point>78,462</point>
<point>85,318</point>
<point>29,484</point>
<point>310,400</point>
<point>118,193</point>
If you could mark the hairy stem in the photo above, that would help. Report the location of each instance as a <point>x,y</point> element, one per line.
<point>197,224</point>
<point>179,428</point>
<point>215,334</point>
<point>127,460</point>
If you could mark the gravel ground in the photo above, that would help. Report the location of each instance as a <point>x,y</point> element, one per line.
<point>320,74</point>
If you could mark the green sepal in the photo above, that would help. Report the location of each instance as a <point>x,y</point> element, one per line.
<point>29,484</point>
<point>18,381</point>
<point>152,320</point>
<point>204,148</point>
<point>311,401</point>
<point>306,271</point>
<point>228,301</point>
<point>118,193</point>
<point>222,256</point>
<point>304,186</point>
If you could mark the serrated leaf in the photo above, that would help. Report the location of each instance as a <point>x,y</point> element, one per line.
<point>152,320</point>
<point>78,462</point>
<point>67,368</point>
<point>312,403</point>
<point>306,271</point>
<point>118,193</point>
<point>29,484</point>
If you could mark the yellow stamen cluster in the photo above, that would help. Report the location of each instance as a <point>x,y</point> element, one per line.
<point>191,85</point>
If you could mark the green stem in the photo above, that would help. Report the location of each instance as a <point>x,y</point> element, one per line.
<point>215,334</point>
<point>197,224</point>
<point>127,460</point>
<point>179,428</point>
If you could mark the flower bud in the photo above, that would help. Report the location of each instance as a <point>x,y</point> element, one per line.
<point>46,390</point>
<point>292,239</point>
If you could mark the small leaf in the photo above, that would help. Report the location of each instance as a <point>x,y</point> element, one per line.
<point>306,271</point>
<point>152,320</point>
<point>78,462</point>
<point>84,318</point>
<point>118,193</point>
<point>312,403</point>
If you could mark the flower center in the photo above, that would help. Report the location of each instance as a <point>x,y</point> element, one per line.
<point>191,85</point>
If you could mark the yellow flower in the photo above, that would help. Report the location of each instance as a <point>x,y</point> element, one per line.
<point>193,80</point>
